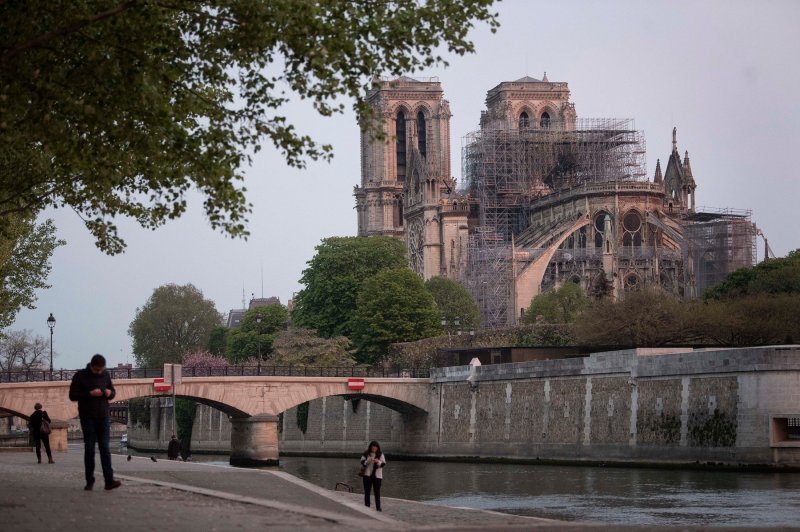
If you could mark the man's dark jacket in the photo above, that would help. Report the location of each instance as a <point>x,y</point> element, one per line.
<point>83,382</point>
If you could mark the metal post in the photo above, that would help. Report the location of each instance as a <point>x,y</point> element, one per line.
<point>51,322</point>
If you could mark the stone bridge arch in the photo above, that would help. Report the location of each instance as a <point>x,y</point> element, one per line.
<point>253,403</point>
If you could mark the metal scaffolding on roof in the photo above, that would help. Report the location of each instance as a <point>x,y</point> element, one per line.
<point>720,241</point>
<point>507,169</point>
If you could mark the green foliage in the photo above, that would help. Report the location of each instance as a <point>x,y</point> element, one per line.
<point>758,319</point>
<point>547,334</point>
<point>121,109</point>
<point>253,337</point>
<point>301,347</point>
<point>454,301</point>
<point>602,287</point>
<point>185,410</point>
<point>392,306</point>
<point>773,276</point>
<point>25,251</point>
<point>302,417</point>
<point>139,412</point>
<point>218,340</point>
<point>175,320</point>
<point>334,276</point>
<point>557,306</point>
<point>642,318</point>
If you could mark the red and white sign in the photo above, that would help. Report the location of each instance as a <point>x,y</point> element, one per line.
<point>355,384</point>
<point>160,386</point>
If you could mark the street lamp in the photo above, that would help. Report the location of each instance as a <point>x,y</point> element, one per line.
<point>457,325</point>
<point>51,322</point>
<point>258,340</point>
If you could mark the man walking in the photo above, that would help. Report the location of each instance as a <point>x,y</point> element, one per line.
<point>92,389</point>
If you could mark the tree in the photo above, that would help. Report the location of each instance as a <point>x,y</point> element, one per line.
<point>454,301</point>
<point>392,306</point>
<point>218,340</point>
<point>334,276</point>
<point>25,251</point>
<point>22,350</point>
<point>297,346</point>
<point>121,108</point>
<point>252,337</point>
<point>562,305</point>
<point>641,318</point>
<point>756,319</point>
<point>174,321</point>
<point>772,276</point>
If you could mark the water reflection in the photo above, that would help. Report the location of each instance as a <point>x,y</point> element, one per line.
<point>613,495</point>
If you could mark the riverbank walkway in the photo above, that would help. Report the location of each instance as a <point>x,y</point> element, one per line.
<point>177,496</point>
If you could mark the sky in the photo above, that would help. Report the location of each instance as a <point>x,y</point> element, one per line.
<point>725,73</point>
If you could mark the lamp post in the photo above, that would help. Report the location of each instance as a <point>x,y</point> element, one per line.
<point>258,340</point>
<point>457,325</point>
<point>51,322</point>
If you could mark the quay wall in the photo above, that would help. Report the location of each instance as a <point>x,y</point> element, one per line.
<point>728,406</point>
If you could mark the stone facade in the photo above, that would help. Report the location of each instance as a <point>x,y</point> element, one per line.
<point>546,199</point>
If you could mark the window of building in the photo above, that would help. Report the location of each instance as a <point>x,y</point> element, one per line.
<point>632,229</point>
<point>422,143</point>
<point>524,121</point>
<point>785,431</point>
<point>544,122</point>
<point>400,133</point>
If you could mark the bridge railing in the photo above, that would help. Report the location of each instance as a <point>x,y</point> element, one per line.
<point>229,371</point>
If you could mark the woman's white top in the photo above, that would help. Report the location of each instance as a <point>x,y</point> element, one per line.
<point>380,465</point>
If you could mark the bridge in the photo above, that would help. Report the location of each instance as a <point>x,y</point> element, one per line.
<point>252,397</point>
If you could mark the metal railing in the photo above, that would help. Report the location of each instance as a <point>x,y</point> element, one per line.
<point>228,371</point>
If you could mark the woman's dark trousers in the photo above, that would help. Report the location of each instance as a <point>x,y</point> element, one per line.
<point>97,431</point>
<point>40,439</point>
<point>372,483</point>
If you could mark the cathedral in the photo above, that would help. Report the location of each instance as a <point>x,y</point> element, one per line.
<point>546,198</point>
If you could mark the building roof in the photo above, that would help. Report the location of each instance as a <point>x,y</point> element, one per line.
<point>527,79</point>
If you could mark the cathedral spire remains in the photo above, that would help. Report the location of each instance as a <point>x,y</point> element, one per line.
<point>658,177</point>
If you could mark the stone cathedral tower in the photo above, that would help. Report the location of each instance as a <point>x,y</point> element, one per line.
<point>407,190</point>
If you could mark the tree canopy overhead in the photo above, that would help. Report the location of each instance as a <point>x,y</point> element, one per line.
<point>119,108</point>
<point>453,301</point>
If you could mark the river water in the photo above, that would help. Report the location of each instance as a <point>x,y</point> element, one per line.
<point>574,493</point>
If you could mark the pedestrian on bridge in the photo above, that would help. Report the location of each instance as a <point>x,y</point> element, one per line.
<point>373,461</point>
<point>37,421</point>
<point>92,389</point>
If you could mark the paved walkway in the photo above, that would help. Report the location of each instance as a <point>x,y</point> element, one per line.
<point>176,496</point>
<point>179,496</point>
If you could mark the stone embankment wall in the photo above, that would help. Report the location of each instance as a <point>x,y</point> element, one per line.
<point>211,432</point>
<point>646,405</point>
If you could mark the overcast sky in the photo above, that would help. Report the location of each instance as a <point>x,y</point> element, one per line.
<point>725,73</point>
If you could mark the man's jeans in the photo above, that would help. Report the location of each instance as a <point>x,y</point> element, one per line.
<point>97,431</point>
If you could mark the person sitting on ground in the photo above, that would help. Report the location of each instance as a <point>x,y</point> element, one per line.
<point>174,449</point>
<point>39,437</point>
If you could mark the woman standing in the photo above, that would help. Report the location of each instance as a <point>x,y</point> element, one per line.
<point>39,437</point>
<point>373,462</point>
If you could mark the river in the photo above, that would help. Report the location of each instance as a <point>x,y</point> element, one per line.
<point>628,496</point>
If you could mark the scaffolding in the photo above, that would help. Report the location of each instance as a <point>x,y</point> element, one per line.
<point>720,242</point>
<point>506,170</point>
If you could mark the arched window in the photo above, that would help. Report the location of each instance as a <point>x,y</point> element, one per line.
<point>400,133</point>
<point>545,120</point>
<point>523,120</point>
<point>421,134</point>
